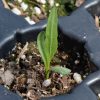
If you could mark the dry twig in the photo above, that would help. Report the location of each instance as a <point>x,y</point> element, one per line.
<point>25,48</point>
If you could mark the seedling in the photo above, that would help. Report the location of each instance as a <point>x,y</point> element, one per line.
<point>47,42</point>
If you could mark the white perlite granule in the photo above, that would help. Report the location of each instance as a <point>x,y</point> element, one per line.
<point>31,22</point>
<point>77,77</point>
<point>16,11</point>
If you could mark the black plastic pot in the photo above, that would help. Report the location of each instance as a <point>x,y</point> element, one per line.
<point>79,27</point>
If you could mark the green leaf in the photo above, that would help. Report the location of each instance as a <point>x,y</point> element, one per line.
<point>51,41</point>
<point>47,42</point>
<point>61,70</point>
<point>41,46</point>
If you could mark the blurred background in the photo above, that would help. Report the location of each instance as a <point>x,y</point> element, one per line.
<point>35,10</point>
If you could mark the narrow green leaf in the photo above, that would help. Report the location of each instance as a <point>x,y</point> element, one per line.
<point>41,46</point>
<point>48,41</point>
<point>51,41</point>
<point>61,70</point>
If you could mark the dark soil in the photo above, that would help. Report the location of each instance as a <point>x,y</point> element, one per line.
<point>24,71</point>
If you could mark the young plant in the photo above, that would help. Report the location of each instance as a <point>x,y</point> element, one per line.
<point>47,43</point>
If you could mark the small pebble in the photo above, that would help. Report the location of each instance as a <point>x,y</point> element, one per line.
<point>76,62</point>
<point>99,29</point>
<point>79,2</point>
<point>7,77</point>
<point>44,92</point>
<point>30,58</point>
<point>51,2</point>
<point>23,57</point>
<point>47,83</point>
<point>38,63</point>
<point>19,48</point>
<point>13,55</point>
<point>19,1</point>
<point>32,96</point>
<point>77,77</point>
<point>78,54</point>
<point>24,6</point>
<point>16,11</point>
<point>29,94</point>
<point>43,6</point>
<point>84,76</point>
<point>2,60</point>
<point>37,10</point>
<point>57,4</point>
<point>61,75</point>
<point>99,95</point>
<point>64,57</point>
<point>42,1</point>
<point>54,90</point>
<point>31,22</point>
<point>2,69</point>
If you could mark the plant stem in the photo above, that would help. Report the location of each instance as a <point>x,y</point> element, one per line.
<point>47,74</point>
<point>47,70</point>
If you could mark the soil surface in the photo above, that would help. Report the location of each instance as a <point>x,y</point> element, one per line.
<point>23,71</point>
